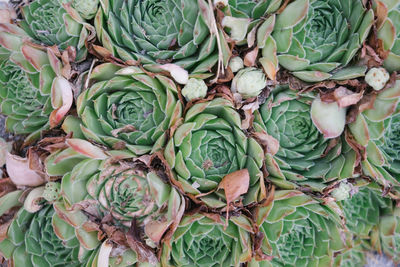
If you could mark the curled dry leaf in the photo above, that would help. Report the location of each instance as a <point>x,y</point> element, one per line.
<point>345,97</point>
<point>4,148</point>
<point>20,172</point>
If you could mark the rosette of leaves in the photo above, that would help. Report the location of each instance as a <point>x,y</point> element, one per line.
<point>377,130</point>
<point>156,31</point>
<point>363,210</point>
<point>204,240</point>
<point>43,239</point>
<point>386,238</point>
<point>55,22</point>
<point>33,94</point>
<point>128,109</point>
<point>299,231</point>
<point>210,145</point>
<point>355,256</point>
<point>123,190</point>
<point>388,13</point>
<point>297,153</point>
<point>316,37</point>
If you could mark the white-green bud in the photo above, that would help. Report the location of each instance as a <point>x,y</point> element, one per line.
<point>238,27</point>
<point>342,192</point>
<point>195,88</point>
<point>249,82</point>
<point>236,64</point>
<point>377,78</point>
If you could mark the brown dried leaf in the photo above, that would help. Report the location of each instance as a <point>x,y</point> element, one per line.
<point>126,129</point>
<point>144,252</point>
<point>270,144</point>
<point>251,57</point>
<point>235,184</point>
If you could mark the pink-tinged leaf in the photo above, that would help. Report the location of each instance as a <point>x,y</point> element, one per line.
<point>156,229</point>
<point>12,29</point>
<point>345,97</point>
<point>61,100</point>
<point>20,173</point>
<point>87,149</point>
<point>269,67</point>
<point>7,13</point>
<point>269,142</point>
<point>34,56</point>
<point>54,61</point>
<point>329,118</point>
<point>250,57</point>
<point>179,74</point>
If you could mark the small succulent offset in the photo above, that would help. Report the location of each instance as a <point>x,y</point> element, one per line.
<point>127,109</point>
<point>33,94</point>
<point>377,129</point>
<point>315,37</point>
<point>157,31</point>
<point>388,13</point>
<point>203,240</point>
<point>249,82</point>
<point>208,146</point>
<point>299,231</point>
<point>55,22</point>
<point>298,153</point>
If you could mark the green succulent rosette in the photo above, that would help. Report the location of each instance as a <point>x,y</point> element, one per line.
<point>155,31</point>
<point>124,190</point>
<point>386,237</point>
<point>128,109</point>
<point>355,256</point>
<point>86,8</point>
<point>33,94</point>
<point>205,240</point>
<point>55,22</point>
<point>297,153</point>
<point>316,37</point>
<point>363,210</point>
<point>210,145</point>
<point>299,231</point>
<point>43,239</point>
<point>389,31</point>
<point>377,130</point>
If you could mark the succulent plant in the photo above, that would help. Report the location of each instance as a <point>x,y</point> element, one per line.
<point>299,231</point>
<point>127,109</point>
<point>249,82</point>
<point>33,94</point>
<point>298,154</point>
<point>55,22</point>
<point>210,145</point>
<point>363,210</point>
<point>316,37</point>
<point>124,190</point>
<point>203,240</point>
<point>154,31</point>
<point>42,239</point>
<point>386,238</point>
<point>377,130</point>
<point>388,13</point>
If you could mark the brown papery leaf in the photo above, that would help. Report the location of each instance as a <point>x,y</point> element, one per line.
<point>144,252</point>
<point>345,97</point>
<point>270,144</point>
<point>235,184</point>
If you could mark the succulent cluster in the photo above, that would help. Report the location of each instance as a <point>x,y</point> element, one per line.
<point>199,133</point>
